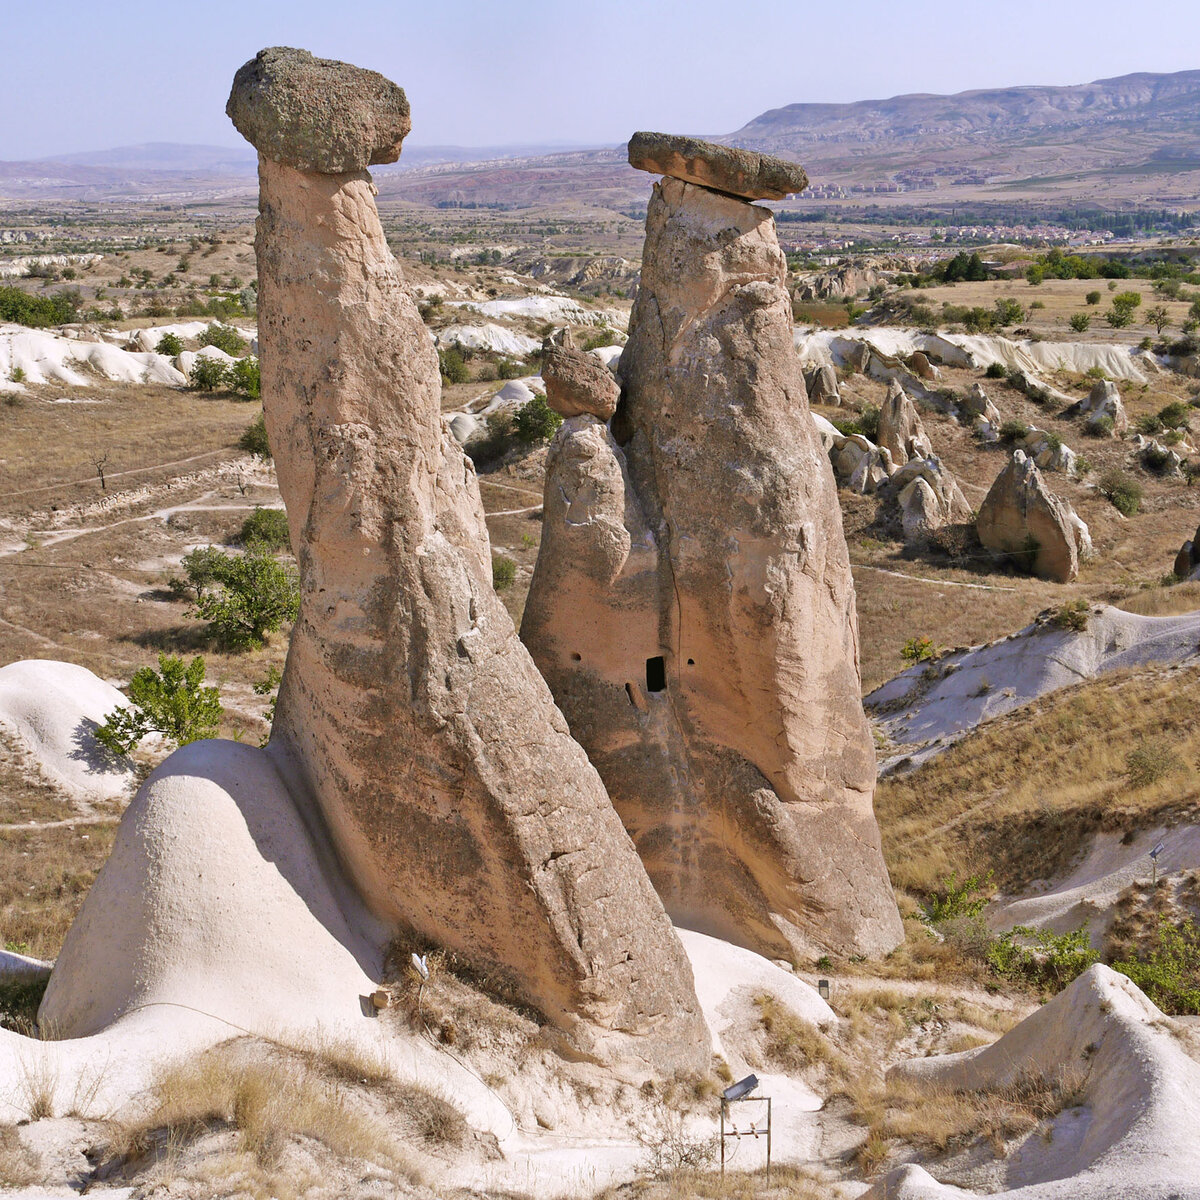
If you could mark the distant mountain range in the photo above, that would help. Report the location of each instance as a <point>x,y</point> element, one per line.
<point>1133,138</point>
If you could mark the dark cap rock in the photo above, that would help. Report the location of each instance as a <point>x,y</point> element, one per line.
<point>317,114</point>
<point>743,173</point>
<point>578,382</point>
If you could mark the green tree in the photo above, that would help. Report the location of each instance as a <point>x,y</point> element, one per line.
<point>1159,317</point>
<point>201,570</point>
<point>169,344</point>
<point>1008,312</point>
<point>266,527</point>
<point>1080,322</point>
<point>171,701</point>
<point>536,421</point>
<point>255,595</point>
<point>1092,297</point>
<point>209,374</point>
<point>453,366</point>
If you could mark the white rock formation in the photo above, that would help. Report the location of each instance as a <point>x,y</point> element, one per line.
<point>50,709</point>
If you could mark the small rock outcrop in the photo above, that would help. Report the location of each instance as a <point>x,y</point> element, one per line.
<point>693,608</point>
<point>1187,561</point>
<point>410,715</point>
<point>858,464</point>
<point>1104,401</point>
<point>822,384</point>
<point>1021,519</point>
<point>578,382</point>
<point>900,430</point>
<point>922,367</point>
<point>928,497</point>
<point>1049,451</point>
<point>728,169</point>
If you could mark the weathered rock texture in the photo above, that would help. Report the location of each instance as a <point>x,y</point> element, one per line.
<point>1105,401</point>
<point>1187,561</point>
<point>1022,519</point>
<point>316,114</point>
<point>409,709</point>
<point>693,609</point>
<point>578,382</point>
<point>724,168</point>
<point>822,383</point>
<point>900,430</point>
<point>928,498</point>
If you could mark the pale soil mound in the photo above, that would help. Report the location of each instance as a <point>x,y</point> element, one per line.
<point>977,351</point>
<point>932,705</point>
<point>52,710</point>
<point>47,357</point>
<point>1132,1102</point>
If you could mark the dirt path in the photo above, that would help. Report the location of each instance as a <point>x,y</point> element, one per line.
<point>984,587</point>
<point>51,487</point>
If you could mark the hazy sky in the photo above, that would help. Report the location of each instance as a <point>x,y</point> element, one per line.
<point>90,75</point>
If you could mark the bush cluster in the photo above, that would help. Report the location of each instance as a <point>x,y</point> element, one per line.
<point>39,312</point>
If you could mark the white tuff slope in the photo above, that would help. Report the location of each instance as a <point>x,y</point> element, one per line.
<point>1131,1133</point>
<point>51,710</point>
<point>923,715</point>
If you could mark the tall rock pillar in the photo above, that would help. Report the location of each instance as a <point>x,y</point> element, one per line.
<point>693,608</point>
<point>409,710</point>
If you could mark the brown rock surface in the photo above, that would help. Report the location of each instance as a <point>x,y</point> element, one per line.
<point>723,168</point>
<point>578,382</point>
<point>693,609</point>
<point>1021,518</point>
<point>900,430</point>
<point>316,114</point>
<point>409,710</point>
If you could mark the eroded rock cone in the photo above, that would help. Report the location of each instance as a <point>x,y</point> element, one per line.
<point>1022,519</point>
<point>693,609</point>
<point>409,709</point>
<point>900,430</point>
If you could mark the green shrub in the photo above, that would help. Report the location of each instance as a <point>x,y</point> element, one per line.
<point>1121,491</point>
<point>1148,424</point>
<point>224,337</point>
<point>209,374</point>
<point>244,379</point>
<point>1083,466</point>
<point>169,344</point>
<point>201,570</point>
<point>1101,427</point>
<point>1150,762</point>
<point>39,312</point>
<point>995,371</point>
<point>504,572</point>
<point>536,421</point>
<point>507,368</point>
<point>254,595</point>
<point>868,420</point>
<point>1080,322</point>
<point>602,337</point>
<point>254,438</point>
<point>954,900</point>
<point>1092,297</point>
<point>919,649</point>
<point>1156,459</point>
<point>453,366</point>
<point>1013,431</point>
<point>171,701</point>
<point>1174,415</point>
<point>266,527</point>
<point>1169,973</point>
<point>1051,962</point>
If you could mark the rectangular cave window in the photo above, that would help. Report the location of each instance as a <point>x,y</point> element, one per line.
<point>656,674</point>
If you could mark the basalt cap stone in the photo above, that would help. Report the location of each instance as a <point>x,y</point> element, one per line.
<point>317,114</point>
<point>744,173</point>
<point>578,382</point>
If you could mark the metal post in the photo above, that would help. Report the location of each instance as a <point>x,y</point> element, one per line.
<point>768,1141</point>
<point>722,1139</point>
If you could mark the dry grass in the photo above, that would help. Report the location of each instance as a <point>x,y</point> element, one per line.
<point>18,1167</point>
<point>793,1045</point>
<point>44,876</point>
<point>1022,795</point>
<point>269,1098</point>
<point>785,1183</point>
<point>936,1120</point>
